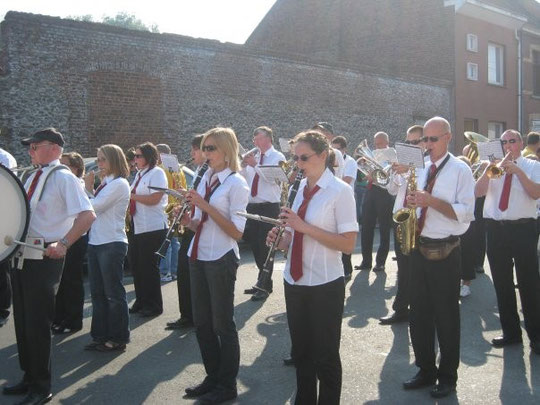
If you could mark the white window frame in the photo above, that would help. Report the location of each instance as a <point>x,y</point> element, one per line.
<point>495,129</point>
<point>472,43</point>
<point>472,71</point>
<point>496,64</point>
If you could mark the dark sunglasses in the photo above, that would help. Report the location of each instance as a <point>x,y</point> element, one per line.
<point>138,156</point>
<point>415,142</point>
<point>432,139</point>
<point>512,141</point>
<point>209,148</point>
<point>303,158</point>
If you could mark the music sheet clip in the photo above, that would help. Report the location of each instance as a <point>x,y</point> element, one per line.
<point>409,155</point>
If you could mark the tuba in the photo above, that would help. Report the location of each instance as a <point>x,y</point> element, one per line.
<point>367,164</point>
<point>406,220</point>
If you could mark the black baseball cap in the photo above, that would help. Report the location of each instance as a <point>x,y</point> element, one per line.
<point>326,126</point>
<point>48,134</point>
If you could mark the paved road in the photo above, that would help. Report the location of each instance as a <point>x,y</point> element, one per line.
<point>159,364</point>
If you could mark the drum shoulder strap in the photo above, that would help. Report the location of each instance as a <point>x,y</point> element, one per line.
<point>39,191</point>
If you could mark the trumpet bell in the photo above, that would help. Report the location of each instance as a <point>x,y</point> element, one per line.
<point>494,172</point>
<point>475,137</point>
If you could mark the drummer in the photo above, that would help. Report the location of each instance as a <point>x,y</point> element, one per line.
<point>60,214</point>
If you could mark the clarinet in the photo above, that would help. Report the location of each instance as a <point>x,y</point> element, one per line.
<point>264,279</point>
<point>162,251</point>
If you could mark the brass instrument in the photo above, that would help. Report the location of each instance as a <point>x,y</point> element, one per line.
<point>474,139</point>
<point>367,164</point>
<point>494,171</point>
<point>406,219</point>
<point>249,152</point>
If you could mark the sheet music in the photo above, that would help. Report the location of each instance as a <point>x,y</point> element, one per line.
<point>284,145</point>
<point>170,162</point>
<point>490,150</point>
<point>271,173</point>
<point>241,149</point>
<point>385,156</point>
<point>409,154</point>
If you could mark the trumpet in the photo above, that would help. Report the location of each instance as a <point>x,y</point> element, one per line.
<point>249,152</point>
<point>495,171</point>
<point>367,164</point>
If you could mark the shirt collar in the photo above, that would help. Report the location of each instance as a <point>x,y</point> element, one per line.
<point>55,162</point>
<point>325,179</point>
<point>222,175</point>
<point>438,162</point>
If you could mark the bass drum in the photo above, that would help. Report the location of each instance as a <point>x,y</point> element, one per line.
<point>14,212</point>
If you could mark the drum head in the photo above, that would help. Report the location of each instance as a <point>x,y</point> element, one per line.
<point>14,212</point>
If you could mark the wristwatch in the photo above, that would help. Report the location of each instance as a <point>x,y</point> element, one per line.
<point>64,242</point>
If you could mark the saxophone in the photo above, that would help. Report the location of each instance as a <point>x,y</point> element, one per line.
<point>406,220</point>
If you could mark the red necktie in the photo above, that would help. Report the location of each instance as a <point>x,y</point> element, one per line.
<point>255,184</point>
<point>298,240</point>
<point>101,186</point>
<point>132,204</point>
<point>204,217</point>
<point>34,184</point>
<point>429,188</point>
<point>505,195</point>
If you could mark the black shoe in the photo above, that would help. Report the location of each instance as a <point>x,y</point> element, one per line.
<point>218,395</point>
<point>16,389</point>
<point>442,390</point>
<point>394,318</point>
<point>63,330</point>
<point>378,267</point>
<point>363,266</point>
<point>147,313</point>
<point>201,389</point>
<point>288,361</point>
<point>3,320</point>
<point>135,309</point>
<point>35,399</point>
<point>251,290</point>
<point>179,324</point>
<point>502,341</point>
<point>421,379</point>
<point>479,269</point>
<point>260,295</point>
<point>535,346</point>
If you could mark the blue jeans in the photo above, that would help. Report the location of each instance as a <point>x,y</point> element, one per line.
<point>212,295</point>
<point>169,263</point>
<point>110,316</point>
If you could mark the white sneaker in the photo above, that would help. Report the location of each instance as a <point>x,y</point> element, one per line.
<point>166,278</point>
<point>465,291</point>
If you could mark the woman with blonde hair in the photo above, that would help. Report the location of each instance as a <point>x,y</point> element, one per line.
<point>214,259</point>
<point>107,250</point>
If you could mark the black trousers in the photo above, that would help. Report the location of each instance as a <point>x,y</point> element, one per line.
<point>402,299</point>
<point>314,314</point>
<point>347,264</point>
<point>145,270</point>
<point>183,281</point>
<point>5,290</point>
<point>34,290</point>
<point>435,308</point>
<point>479,233</point>
<point>509,245</point>
<point>377,207</point>
<point>70,295</point>
<point>255,234</point>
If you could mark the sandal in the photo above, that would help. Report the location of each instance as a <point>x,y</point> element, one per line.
<point>111,347</point>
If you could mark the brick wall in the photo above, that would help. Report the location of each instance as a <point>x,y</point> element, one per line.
<point>101,84</point>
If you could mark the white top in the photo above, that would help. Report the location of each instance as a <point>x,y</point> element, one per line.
<point>266,191</point>
<point>340,162</point>
<point>229,198</point>
<point>63,198</point>
<point>455,185</point>
<point>520,204</point>
<point>7,159</point>
<point>350,169</point>
<point>150,218</point>
<point>332,209</point>
<point>110,206</point>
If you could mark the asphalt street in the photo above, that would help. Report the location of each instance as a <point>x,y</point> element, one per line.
<point>158,364</point>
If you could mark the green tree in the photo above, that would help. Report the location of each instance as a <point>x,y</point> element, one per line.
<point>122,19</point>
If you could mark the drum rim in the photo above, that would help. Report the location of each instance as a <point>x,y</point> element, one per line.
<point>27,204</point>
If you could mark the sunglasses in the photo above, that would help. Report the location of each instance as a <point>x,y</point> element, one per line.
<point>35,147</point>
<point>209,148</point>
<point>303,158</point>
<point>416,141</point>
<point>512,141</point>
<point>432,139</point>
<point>137,156</point>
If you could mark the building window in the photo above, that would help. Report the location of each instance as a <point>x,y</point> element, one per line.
<point>536,72</point>
<point>495,64</point>
<point>471,124</point>
<point>472,71</point>
<point>535,125</point>
<point>472,43</point>
<point>495,129</point>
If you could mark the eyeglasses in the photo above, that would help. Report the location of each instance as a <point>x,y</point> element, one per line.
<point>102,159</point>
<point>137,156</point>
<point>209,148</point>
<point>35,147</point>
<point>512,141</point>
<point>303,158</point>
<point>417,141</point>
<point>432,138</point>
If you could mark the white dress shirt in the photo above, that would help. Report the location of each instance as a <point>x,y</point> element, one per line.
<point>63,198</point>
<point>520,204</point>
<point>454,184</point>
<point>150,218</point>
<point>340,164</point>
<point>7,159</point>
<point>397,186</point>
<point>332,209</point>
<point>350,169</point>
<point>266,191</point>
<point>110,206</point>
<point>229,198</point>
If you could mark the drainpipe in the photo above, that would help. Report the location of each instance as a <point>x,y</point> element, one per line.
<point>520,84</point>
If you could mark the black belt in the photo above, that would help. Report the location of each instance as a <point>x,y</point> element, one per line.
<point>451,238</point>
<point>263,203</point>
<point>511,221</point>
